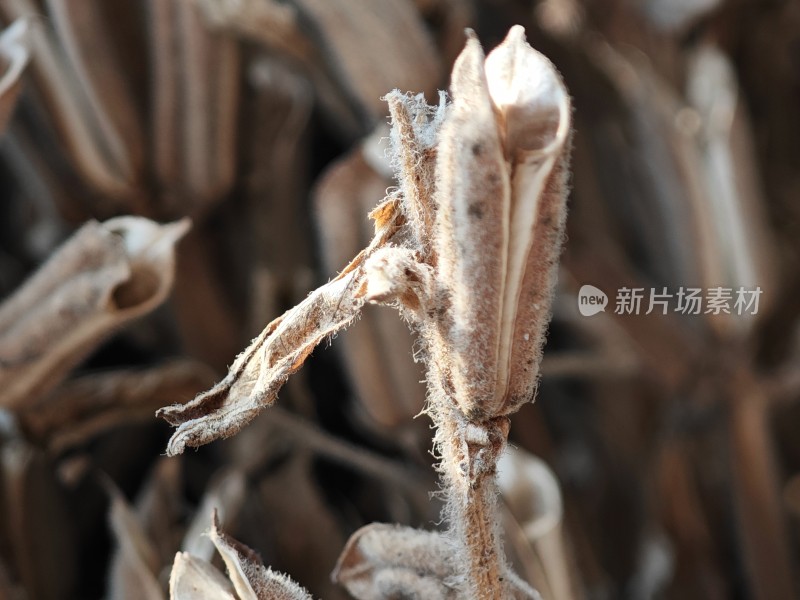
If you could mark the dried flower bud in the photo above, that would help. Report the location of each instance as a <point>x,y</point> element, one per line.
<point>501,196</point>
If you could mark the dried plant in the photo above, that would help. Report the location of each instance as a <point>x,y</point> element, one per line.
<point>104,276</point>
<point>194,578</point>
<point>467,249</point>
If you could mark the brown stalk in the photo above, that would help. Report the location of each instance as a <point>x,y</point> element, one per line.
<point>369,56</point>
<point>86,40</point>
<point>165,67</point>
<point>68,104</point>
<point>756,485</point>
<point>197,103</point>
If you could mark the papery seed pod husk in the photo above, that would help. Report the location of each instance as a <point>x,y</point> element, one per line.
<point>474,202</point>
<point>195,579</point>
<point>538,124</point>
<point>502,177</point>
<point>104,276</point>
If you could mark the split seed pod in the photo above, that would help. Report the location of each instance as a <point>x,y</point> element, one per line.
<point>501,193</point>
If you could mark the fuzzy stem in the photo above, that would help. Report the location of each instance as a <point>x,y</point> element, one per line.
<point>469,475</point>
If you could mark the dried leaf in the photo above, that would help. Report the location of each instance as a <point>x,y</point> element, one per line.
<point>258,373</point>
<point>135,566</point>
<point>251,580</point>
<point>195,579</point>
<point>224,497</point>
<point>377,349</point>
<point>104,276</point>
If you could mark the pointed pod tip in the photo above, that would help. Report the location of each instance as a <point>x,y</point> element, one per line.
<point>468,72</point>
<point>516,34</point>
<point>177,229</point>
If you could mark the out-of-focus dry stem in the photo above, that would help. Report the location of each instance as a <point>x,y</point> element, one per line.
<point>345,454</point>
<point>756,487</point>
<point>65,102</point>
<point>162,22</point>
<point>85,38</point>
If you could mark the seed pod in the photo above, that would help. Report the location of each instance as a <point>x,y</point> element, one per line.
<point>502,196</point>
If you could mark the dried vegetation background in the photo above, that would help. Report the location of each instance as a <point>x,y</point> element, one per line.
<point>661,459</point>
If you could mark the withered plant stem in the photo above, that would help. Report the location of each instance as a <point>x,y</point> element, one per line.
<point>472,505</point>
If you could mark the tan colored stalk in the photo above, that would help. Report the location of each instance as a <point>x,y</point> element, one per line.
<point>66,101</point>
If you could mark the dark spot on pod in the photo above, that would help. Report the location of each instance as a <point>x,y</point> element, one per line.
<point>475,210</point>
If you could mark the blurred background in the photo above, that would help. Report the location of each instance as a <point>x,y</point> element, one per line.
<point>661,458</point>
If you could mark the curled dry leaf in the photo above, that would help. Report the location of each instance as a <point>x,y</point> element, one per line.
<point>376,351</point>
<point>251,579</point>
<point>14,56</point>
<point>101,278</point>
<point>259,372</point>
